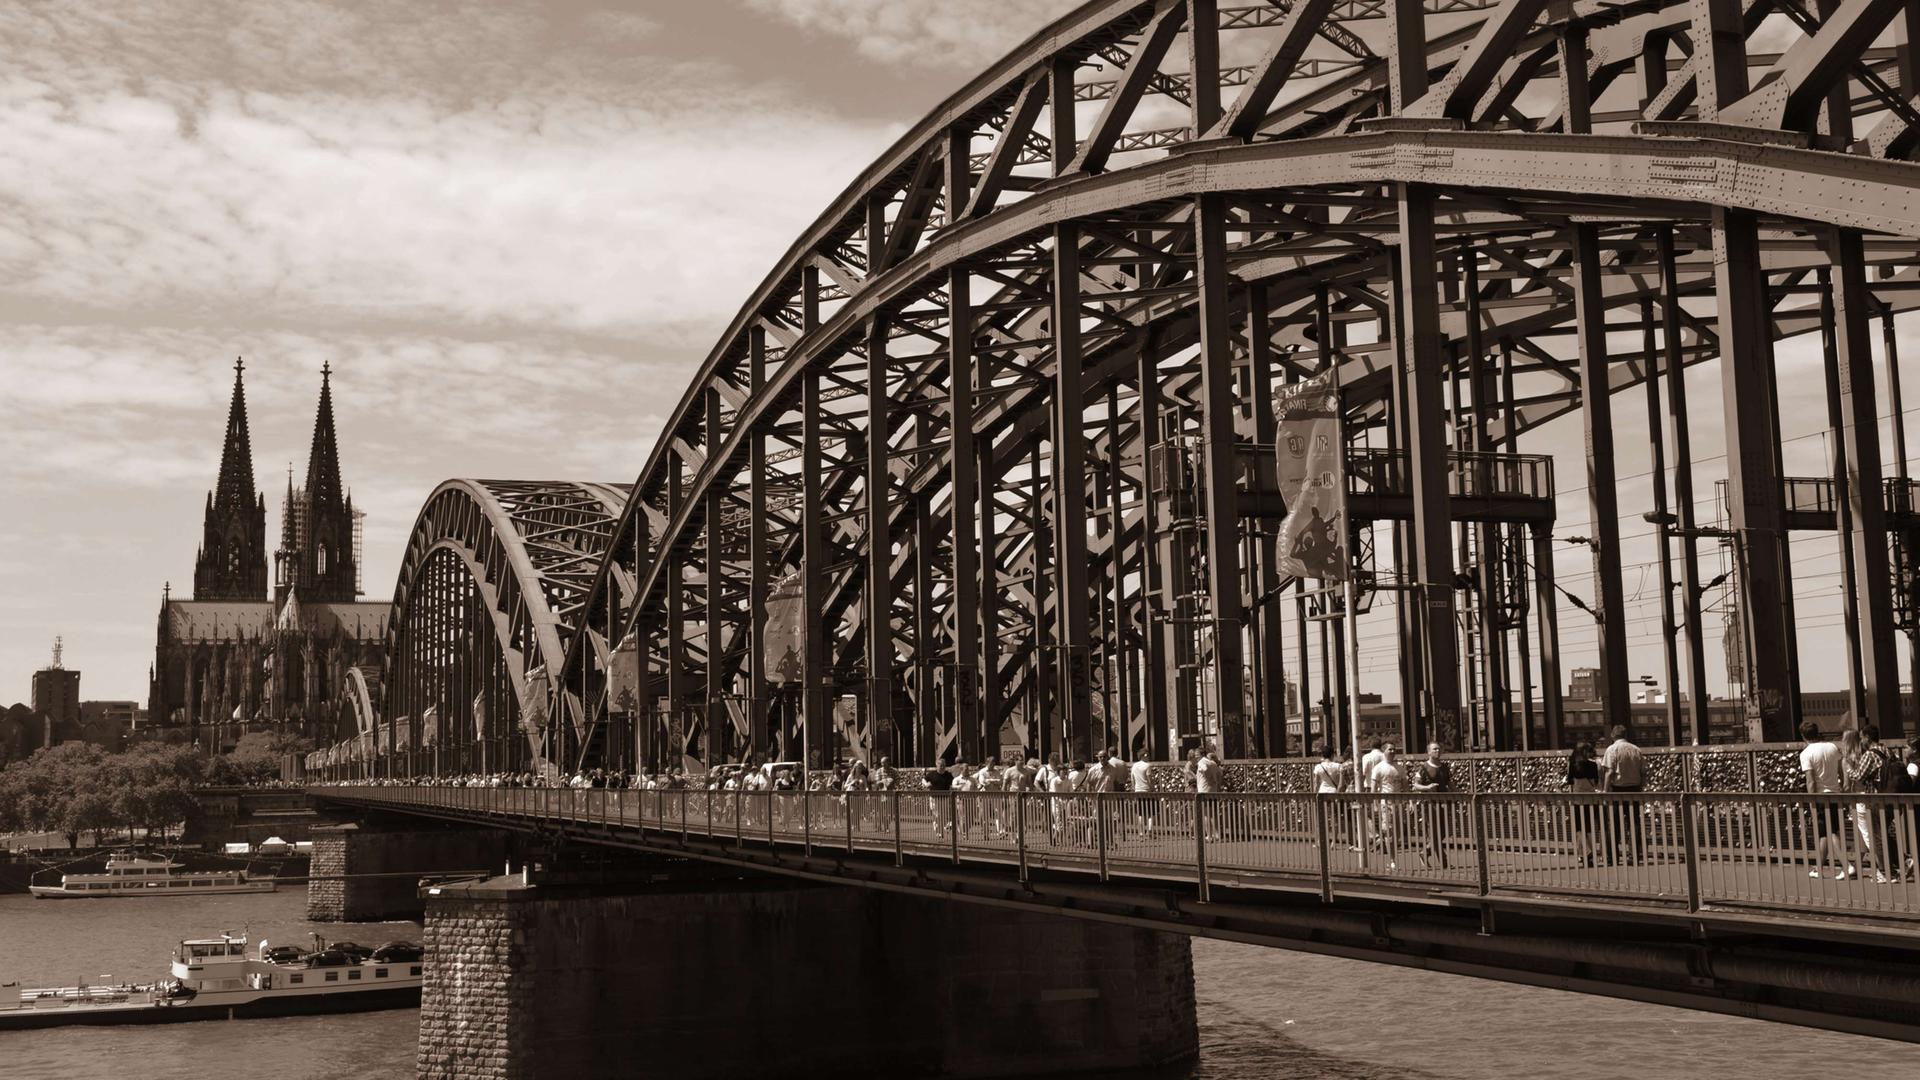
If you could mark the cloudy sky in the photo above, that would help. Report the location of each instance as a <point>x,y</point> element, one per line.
<point>512,226</point>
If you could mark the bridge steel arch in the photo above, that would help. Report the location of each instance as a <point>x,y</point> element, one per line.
<point>495,577</point>
<point>1003,415</point>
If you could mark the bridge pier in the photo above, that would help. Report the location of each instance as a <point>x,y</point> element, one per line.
<point>699,979</point>
<point>407,852</point>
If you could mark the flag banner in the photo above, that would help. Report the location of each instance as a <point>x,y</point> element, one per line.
<point>783,645</point>
<point>480,715</point>
<point>846,719</point>
<point>623,682</point>
<point>1312,475</point>
<point>430,726</point>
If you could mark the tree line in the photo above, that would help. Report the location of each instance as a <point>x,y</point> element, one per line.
<point>77,787</point>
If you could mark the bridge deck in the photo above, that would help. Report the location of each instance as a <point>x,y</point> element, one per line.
<point>1687,855</point>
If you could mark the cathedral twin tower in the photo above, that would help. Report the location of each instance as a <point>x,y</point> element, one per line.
<point>233,657</point>
<point>318,558</point>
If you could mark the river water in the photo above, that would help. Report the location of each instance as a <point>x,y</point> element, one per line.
<point>1263,1014</point>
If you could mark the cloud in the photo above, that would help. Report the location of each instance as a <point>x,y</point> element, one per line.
<point>550,193</point>
<point>923,32</point>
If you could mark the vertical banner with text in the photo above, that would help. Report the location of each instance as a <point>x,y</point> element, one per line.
<point>1312,475</point>
<point>784,643</point>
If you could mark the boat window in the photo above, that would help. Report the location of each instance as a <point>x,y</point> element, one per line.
<point>236,950</point>
<point>297,978</point>
<point>379,973</point>
<point>352,976</point>
<point>333,976</point>
<point>414,970</point>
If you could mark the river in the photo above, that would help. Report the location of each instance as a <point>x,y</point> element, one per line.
<point>1263,1014</point>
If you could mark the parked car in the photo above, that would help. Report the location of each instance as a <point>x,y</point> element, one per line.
<point>284,954</point>
<point>398,952</point>
<point>328,958</point>
<point>354,952</point>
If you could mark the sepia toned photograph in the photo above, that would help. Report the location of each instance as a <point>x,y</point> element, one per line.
<point>1140,539</point>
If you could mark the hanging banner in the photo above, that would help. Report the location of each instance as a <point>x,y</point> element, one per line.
<point>533,715</point>
<point>480,716</point>
<point>623,682</point>
<point>783,646</point>
<point>1312,475</point>
<point>430,726</point>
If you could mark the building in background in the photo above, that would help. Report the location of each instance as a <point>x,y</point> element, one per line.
<point>233,658</point>
<point>56,691</point>
<point>1584,684</point>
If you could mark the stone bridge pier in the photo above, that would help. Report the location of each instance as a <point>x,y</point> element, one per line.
<point>370,870</point>
<point>692,974</point>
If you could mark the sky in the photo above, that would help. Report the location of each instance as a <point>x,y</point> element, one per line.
<point>512,227</point>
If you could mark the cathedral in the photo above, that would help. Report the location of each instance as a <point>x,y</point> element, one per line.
<point>233,658</point>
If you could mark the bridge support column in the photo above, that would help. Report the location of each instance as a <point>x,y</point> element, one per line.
<point>407,852</point>
<point>766,979</point>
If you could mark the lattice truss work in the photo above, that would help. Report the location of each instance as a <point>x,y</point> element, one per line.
<point>496,576</point>
<point>1005,407</point>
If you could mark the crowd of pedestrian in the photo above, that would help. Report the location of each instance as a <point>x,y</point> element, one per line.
<point>1851,835</point>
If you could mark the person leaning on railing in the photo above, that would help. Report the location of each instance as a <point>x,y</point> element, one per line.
<point>1622,769</point>
<point>1583,778</point>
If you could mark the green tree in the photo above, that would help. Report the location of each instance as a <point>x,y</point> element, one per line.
<point>67,789</point>
<point>152,785</point>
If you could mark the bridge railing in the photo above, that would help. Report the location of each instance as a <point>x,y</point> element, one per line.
<point>1686,851</point>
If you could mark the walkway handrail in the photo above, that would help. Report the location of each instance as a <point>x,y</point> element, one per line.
<point>1848,855</point>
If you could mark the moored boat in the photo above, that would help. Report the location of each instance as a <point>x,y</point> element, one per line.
<point>131,874</point>
<point>218,979</point>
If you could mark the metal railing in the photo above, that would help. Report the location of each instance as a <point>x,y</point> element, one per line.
<point>1687,851</point>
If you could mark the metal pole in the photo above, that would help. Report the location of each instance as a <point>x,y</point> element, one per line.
<point>1698,716</point>
<point>1596,407</point>
<point>1072,618</point>
<point>1656,443</point>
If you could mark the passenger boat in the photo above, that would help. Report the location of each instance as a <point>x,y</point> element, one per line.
<point>217,979</point>
<point>132,874</point>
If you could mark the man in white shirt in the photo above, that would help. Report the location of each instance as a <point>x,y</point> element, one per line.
<point>1206,775</point>
<point>1206,781</point>
<point>1820,762</point>
<point>1373,757</point>
<point>1141,777</point>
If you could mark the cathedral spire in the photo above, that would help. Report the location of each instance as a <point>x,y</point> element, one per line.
<point>232,564</point>
<point>323,463</point>
<point>235,488</point>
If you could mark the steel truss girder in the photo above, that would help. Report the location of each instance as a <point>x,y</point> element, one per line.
<point>1298,209</point>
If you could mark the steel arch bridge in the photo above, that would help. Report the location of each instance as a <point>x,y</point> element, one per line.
<point>495,578</point>
<point>1004,408</point>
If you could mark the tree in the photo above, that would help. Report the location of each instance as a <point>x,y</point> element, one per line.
<point>66,789</point>
<point>152,785</point>
<point>255,758</point>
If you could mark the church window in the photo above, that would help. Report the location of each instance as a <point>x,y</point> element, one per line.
<point>320,560</point>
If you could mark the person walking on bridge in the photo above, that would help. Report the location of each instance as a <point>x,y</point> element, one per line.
<point>1623,769</point>
<point>1820,763</point>
<point>1434,777</point>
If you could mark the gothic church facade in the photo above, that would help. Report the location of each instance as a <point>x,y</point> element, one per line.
<point>233,658</point>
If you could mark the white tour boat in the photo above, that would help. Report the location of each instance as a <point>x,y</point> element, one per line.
<point>217,979</point>
<point>130,874</point>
